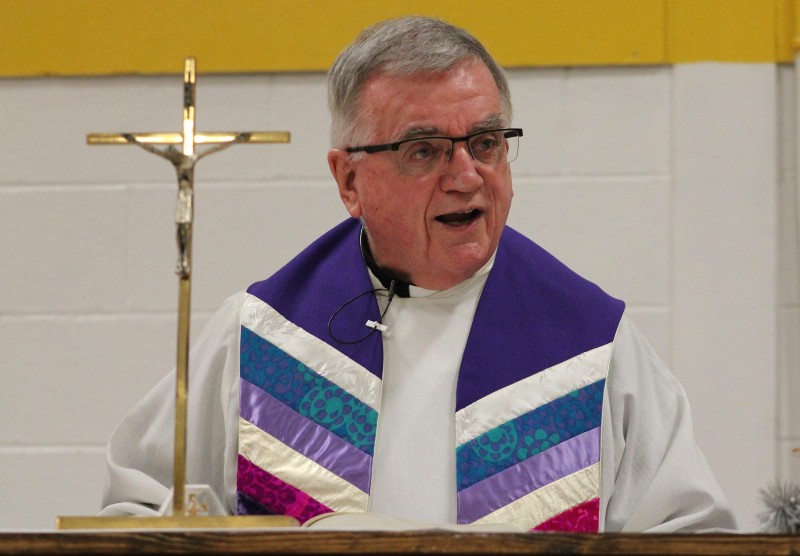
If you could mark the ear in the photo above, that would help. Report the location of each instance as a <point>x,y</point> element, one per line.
<point>345,175</point>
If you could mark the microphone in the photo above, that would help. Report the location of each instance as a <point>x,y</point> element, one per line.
<point>382,328</point>
<point>371,324</point>
<point>388,279</point>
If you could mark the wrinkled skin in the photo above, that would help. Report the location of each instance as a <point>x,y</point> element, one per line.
<point>438,229</point>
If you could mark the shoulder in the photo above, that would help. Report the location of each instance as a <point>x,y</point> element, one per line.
<point>637,370</point>
<point>326,276</point>
<point>534,313</point>
<point>315,265</point>
<point>223,326</point>
<point>537,267</point>
<point>553,294</point>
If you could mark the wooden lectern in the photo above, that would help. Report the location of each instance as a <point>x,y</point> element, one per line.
<point>300,541</point>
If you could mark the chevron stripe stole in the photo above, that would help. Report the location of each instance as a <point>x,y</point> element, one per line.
<point>529,394</point>
<point>529,454</point>
<point>526,454</point>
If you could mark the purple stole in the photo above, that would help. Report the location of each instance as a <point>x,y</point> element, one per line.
<point>528,400</point>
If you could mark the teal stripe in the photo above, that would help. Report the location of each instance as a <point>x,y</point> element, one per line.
<point>529,434</point>
<point>310,394</point>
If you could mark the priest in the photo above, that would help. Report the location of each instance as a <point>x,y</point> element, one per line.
<point>422,359</point>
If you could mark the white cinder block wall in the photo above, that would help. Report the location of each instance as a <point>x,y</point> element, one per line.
<point>672,187</point>
<point>788,335</point>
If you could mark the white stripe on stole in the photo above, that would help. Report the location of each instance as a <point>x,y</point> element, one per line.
<point>311,351</point>
<point>535,391</point>
<point>550,500</point>
<point>294,468</point>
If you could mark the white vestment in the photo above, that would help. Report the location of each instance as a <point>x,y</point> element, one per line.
<point>653,475</point>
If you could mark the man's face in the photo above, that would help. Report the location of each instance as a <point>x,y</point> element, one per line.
<point>435,229</point>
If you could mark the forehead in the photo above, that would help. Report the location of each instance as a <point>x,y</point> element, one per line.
<point>451,102</point>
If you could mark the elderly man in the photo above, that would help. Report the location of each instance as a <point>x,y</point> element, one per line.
<point>421,359</point>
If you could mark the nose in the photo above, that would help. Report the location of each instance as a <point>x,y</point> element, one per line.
<point>461,173</point>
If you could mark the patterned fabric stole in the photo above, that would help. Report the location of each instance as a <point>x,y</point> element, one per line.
<point>529,454</point>
<point>307,421</point>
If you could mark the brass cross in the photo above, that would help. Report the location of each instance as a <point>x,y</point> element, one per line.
<point>184,160</point>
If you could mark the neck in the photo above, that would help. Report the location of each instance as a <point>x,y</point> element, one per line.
<point>402,280</point>
<point>385,275</point>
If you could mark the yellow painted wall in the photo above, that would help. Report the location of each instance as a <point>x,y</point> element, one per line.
<point>102,37</point>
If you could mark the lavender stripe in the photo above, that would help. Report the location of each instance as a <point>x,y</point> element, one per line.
<point>304,436</point>
<point>513,483</point>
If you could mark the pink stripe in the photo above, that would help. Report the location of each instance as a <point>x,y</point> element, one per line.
<point>583,518</point>
<point>277,496</point>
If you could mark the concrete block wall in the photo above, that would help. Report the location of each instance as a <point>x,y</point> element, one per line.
<point>658,183</point>
<point>788,337</point>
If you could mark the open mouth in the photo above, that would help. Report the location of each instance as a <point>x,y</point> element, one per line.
<point>459,218</point>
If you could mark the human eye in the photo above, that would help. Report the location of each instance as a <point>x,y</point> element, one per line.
<point>421,155</point>
<point>486,142</point>
<point>419,151</point>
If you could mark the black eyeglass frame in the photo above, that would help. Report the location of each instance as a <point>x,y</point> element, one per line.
<point>370,149</point>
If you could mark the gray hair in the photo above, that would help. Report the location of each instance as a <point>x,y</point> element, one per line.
<point>399,47</point>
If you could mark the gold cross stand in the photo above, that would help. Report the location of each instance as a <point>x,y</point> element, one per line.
<point>184,160</point>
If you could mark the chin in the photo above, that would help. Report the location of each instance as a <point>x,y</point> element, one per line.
<point>467,266</point>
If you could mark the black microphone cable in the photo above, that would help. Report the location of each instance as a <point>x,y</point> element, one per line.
<point>371,324</point>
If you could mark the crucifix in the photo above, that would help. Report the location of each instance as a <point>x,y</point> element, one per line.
<point>179,149</point>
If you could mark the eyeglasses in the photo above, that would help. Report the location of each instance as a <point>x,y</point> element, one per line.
<point>426,154</point>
